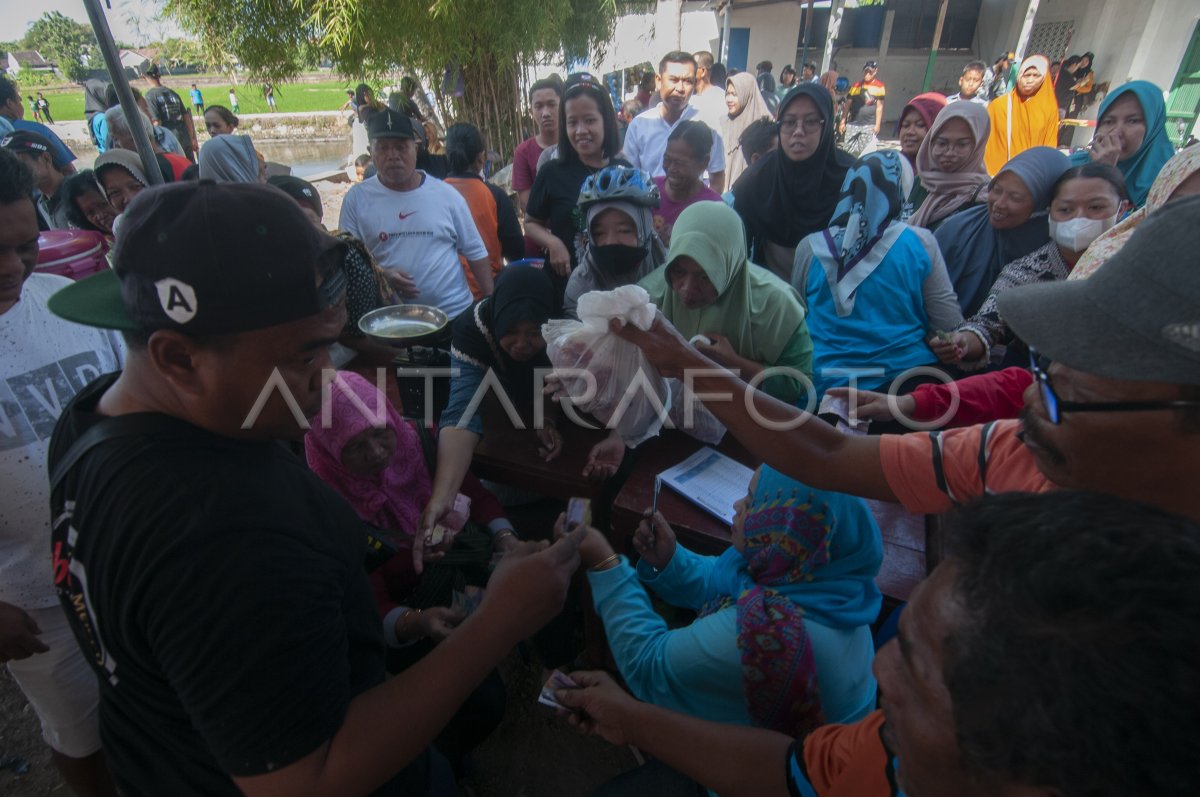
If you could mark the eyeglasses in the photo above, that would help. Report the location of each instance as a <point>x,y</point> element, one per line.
<point>809,124</point>
<point>1055,407</point>
<point>961,147</point>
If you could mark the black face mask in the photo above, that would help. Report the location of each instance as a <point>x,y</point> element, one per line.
<point>618,258</point>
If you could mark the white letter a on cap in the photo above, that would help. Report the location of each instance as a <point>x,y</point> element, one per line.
<point>178,299</point>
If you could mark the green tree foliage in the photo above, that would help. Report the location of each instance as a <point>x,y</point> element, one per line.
<point>490,41</point>
<point>64,41</point>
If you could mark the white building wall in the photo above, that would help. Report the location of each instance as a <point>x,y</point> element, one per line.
<point>774,31</point>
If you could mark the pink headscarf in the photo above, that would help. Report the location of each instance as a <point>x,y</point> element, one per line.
<point>949,191</point>
<point>392,499</point>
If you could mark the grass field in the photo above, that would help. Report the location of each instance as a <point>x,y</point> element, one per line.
<point>297,97</point>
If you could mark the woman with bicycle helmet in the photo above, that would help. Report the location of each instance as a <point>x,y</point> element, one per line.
<point>752,320</point>
<point>621,246</point>
<point>587,142</point>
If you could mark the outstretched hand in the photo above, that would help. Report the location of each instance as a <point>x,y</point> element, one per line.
<point>664,347</point>
<point>600,706</point>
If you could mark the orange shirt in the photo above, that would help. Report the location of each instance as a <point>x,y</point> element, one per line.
<point>843,761</point>
<point>487,220</point>
<point>931,472</point>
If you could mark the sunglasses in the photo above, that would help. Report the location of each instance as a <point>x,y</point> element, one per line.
<point>1055,407</point>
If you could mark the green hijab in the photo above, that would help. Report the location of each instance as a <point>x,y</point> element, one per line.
<point>756,310</point>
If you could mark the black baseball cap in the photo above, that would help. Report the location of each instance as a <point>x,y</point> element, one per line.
<point>390,124</point>
<point>208,258</point>
<point>25,142</point>
<point>871,65</point>
<point>300,190</point>
<point>1137,318</point>
<point>152,71</point>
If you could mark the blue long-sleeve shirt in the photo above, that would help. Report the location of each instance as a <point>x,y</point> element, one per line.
<point>698,669</point>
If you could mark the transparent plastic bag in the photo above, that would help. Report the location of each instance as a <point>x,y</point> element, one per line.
<point>702,424</point>
<point>602,373</point>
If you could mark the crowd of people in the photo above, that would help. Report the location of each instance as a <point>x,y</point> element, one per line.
<point>1012,331</point>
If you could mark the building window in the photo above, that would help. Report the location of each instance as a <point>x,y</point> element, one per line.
<point>1050,39</point>
<point>912,26</point>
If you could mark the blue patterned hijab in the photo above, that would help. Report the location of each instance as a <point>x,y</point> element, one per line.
<point>865,223</point>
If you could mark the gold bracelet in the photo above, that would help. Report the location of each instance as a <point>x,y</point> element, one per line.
<point>605,564</point>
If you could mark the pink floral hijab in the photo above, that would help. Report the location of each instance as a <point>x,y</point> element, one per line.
<point>392,499</point>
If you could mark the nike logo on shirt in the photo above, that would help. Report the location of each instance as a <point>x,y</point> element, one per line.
<point>404,216</point>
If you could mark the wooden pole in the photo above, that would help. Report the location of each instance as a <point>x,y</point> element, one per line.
<point>808,15</point>
<point>937,42</point>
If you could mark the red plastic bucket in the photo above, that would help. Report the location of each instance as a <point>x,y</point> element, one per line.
<point>73,254</point>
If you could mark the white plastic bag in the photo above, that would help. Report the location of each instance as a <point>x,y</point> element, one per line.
<point>702,424</point>
<point>629,394</point>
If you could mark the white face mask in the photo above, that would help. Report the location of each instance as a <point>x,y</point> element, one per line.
<point>1077,233</point>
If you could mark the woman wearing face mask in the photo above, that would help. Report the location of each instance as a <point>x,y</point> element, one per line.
<point>871,284</point>
<point>1131,134</point>
<point>1180,177</point>
<point>978,241</point>
<point>745,105</point>
<point>621,244</point>
<point>587,142</point>
<point>502,333</point>
<point>791,191</point>
<point>686,158</point>
<point>949,164</point>
<point>752,320</point>
<point>1025,117</point>
<point>1087,200</point>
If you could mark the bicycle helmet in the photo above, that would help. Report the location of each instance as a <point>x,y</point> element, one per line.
<point>621,183</point>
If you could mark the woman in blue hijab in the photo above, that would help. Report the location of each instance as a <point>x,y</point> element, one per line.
<point>1131,134</point>
<point>782,639</point>
<point>981,240</point>
<point>872,285</point>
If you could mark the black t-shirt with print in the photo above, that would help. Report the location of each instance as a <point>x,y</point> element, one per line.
<point>217,587</point>
<point>167,108</point>
<point>554,198</point>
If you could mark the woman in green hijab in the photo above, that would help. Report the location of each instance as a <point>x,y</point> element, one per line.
<point>753,319</point>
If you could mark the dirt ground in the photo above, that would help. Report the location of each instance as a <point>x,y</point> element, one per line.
<point>532,754</point>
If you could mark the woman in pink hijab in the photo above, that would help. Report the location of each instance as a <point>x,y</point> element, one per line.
<point>380,463</point>
<point>949,164</point>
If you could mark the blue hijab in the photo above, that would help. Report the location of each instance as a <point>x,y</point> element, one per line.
<point>1143,166</point>
<point>841,593</point>
<point>975,251</point>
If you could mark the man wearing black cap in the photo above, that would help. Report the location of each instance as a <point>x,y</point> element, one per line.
<point>44,361</point>
<point>35,151</point>
<point>415,225</point>
<point>865,117</point>
<point>168,109</point>
<point>1117,412</point>
<point>215,584</point>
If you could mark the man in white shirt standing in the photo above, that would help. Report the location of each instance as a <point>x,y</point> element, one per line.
<point>415,225</point>
<point>709,99</point>
<point>646,138</point>
<point>44,362</point>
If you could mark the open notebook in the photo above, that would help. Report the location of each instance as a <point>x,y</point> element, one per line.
<point>711,481</point>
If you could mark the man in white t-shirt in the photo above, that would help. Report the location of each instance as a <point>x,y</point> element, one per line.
<point>709,99</point>
<point>44,362</point>
<point>646,137</point>
<point>415,225</point>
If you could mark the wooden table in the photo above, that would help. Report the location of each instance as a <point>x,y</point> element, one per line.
<point>903,547</point>
<point>510,456</point>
